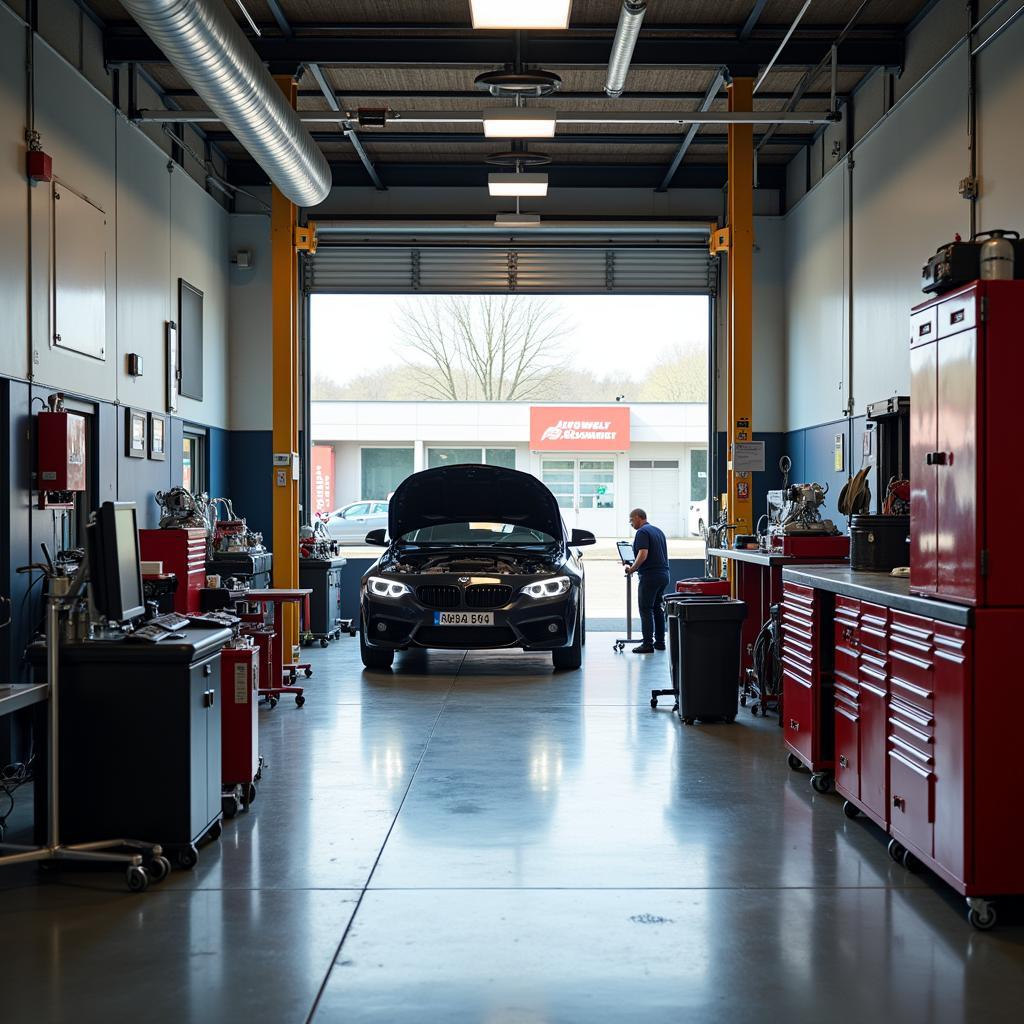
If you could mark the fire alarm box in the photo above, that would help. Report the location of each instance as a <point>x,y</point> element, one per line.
<point>61,465</point>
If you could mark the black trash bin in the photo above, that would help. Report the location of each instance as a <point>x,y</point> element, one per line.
<point>704,652</point>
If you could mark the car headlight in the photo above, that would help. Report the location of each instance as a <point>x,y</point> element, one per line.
<point>380,587</point>
<point>553,587</point>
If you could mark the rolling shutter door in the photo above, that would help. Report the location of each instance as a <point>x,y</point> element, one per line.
<point>477,269</point>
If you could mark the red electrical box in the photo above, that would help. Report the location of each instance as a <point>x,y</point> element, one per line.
<point>965,360</point>
<point>39,165</point>
<point>61,452</point>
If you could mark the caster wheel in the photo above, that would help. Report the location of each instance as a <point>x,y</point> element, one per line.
<point>250,794</point>
<point>654,702</point>
<point>187,857</point>
<point>215,832</point>
<point>753,710</point>
<point>688,721</point>
<point>158,869</point>
<point>896,851</point>
<point>230,805</point>
<point>820,782</point>
<point>910,862</point>
<point>307,672</point>
<point>137,879</point>
<point>259,774</point>
<point>983,919</point>
<point>743,701</point>
<point>794,762</point>
<point>851,810</point>
<point>299,700</point>
<point>272,702</point>
<point>323,643</point>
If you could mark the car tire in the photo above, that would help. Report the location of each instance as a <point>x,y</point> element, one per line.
<point>569,658</point>
<point>374,657</point>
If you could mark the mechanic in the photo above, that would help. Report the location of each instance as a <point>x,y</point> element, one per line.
<point>650,563</point>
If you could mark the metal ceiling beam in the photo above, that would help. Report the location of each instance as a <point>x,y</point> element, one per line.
<point>752,19</point>
<point>353,137</point>
<point>398,118</point>
<point>684,96</point>
<point>691,134</point>
<point>278,16</point>
<point>547,51</point>
<point>450,174</point>
<point>577,139</point>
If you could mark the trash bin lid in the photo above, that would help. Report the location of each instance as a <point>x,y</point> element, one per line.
<point>707,609</point>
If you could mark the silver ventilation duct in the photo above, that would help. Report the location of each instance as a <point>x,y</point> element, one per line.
<point>631,17</point>
<point>203,41</point>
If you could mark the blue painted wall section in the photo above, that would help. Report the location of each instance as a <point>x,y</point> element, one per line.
<point>775,446</point>
<point>250,461</point>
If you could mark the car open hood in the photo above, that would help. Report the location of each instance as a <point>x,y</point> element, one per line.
<point>468,494</point>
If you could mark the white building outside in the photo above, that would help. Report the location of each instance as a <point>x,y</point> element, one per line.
<point>599,460</point>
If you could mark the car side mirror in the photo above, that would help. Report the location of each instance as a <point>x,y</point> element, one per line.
<point>379,538</point>
<point>581,538</point>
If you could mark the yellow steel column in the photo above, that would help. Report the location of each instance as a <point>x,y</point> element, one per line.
<point>285,367</point>
<point>741,301</point>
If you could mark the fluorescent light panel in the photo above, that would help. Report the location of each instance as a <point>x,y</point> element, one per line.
<point>518,123</point>
<point>550,14</point>
<point>517,184</point>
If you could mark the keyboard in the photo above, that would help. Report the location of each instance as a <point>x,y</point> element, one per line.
<point>169,622</point>
<point>154,634</point>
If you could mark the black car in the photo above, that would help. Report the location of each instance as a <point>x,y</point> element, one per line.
<point>478,558</point>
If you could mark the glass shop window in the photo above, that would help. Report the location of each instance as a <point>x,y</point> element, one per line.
<point>383,469</point>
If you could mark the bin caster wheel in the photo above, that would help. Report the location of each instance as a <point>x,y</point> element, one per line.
<point>981,915</point>
<point>230,805</point>
<point>272,701</point>
<point>137,879</point>
<point>323,643</point>
<point>158,869</point>
<point>896,851</point>
<point>821,782</point>
<point>215,832</point>
<point>794,762</point>
<point>851,810</point>
<point>187,857</point>
<point>250,794</point>
<point>910,862</point>
<point>654,702</point>
<point>307,672</point>
<point>299,700</point>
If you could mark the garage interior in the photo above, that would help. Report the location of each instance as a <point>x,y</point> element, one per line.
<point>479,835</point>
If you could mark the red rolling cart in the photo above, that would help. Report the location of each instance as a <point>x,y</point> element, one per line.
<point>280,671</point>
<point>241,765</point>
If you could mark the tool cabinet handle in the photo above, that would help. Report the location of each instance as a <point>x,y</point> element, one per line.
<point>935,459</point>
<point>899,803</point>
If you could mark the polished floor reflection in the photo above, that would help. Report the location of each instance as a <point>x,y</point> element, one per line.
<point>473,838</point>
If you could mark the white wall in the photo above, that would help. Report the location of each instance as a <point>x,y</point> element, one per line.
<point>904,205</point>
<point>159,225</point>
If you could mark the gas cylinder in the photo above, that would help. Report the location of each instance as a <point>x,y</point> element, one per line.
<point>997,256</point>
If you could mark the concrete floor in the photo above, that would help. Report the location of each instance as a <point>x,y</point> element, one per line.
<point>475,839</point>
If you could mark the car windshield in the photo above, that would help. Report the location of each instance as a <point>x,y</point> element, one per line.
<point>483,534</point>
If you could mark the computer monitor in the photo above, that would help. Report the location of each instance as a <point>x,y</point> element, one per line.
<point>115,572</point>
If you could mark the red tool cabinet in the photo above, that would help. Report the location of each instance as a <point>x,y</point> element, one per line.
<point>240,758</point>
<point>183,552</point>
<point>965,360</point>
<point>807,681</point>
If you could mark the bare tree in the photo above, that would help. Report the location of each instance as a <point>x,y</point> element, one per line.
<point>681,375</point>
<point>493,348</point>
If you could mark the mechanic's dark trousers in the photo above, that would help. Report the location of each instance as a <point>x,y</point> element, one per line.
<point>651,601</point>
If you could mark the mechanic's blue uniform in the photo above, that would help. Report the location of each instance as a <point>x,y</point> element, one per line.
<point>654,575</point>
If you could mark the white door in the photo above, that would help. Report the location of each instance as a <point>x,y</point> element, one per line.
<point>585,489</point>
<point>654,487</point>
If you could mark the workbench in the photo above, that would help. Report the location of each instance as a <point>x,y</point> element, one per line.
<point>17,697</point>
<point>758,581</point>
<point>912,704</point>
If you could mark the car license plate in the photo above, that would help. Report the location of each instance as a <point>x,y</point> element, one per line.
<point>463,618</point>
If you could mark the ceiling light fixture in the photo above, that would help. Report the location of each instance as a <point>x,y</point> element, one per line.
<point>519,123</point>
<point>543,14</point>
<point>517,184</point>
<point>517,220</point>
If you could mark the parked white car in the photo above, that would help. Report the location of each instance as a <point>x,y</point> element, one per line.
<point>351,523</point>
<point>698,511</point>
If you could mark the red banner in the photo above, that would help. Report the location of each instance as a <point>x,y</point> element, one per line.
<point>579,428</point>
<point>322,483</point>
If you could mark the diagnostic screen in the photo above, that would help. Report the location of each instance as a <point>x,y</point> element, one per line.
<point>128,558</point>
<point>625,551</point>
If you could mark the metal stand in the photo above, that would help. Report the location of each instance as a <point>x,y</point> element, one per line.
<point>620,645</point>
<point>147,862</point>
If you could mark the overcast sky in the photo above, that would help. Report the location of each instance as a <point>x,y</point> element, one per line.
<point>613,334</point>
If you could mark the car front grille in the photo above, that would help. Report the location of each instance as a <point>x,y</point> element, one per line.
<point>439,596</point>
<point>488,596</point>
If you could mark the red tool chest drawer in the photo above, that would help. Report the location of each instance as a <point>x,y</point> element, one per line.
<point>183,552</point>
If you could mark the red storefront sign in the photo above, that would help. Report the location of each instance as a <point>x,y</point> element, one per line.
<point>322,482</point>
<point>579,428</point>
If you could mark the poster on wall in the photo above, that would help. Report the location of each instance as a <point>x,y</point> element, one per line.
<point>322,482</point>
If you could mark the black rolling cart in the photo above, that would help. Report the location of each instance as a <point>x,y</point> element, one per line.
<point>141,739</point>
<point>323,577</point>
